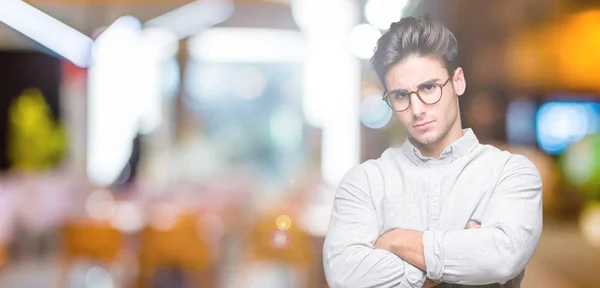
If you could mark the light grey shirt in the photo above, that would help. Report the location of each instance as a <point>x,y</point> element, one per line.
<point>402,189</point>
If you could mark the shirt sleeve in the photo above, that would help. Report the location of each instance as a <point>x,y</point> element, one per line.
<point>349,257</point>
<point>510,230</point>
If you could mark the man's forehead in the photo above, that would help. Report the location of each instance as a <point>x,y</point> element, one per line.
<point>410,73</point>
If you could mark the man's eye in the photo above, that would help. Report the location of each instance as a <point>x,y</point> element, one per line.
<point>428,87</point>
<point>400,95</point>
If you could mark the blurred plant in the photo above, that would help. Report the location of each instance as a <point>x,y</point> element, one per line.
<point>581,165</point>
<point>36,142</point>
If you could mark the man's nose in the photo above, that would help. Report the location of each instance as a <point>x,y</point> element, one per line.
<point>416,105</point>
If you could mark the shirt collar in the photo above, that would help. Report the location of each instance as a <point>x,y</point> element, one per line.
<point>461,147</point>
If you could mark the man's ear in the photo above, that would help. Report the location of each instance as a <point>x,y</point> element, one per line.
<point>459,82</point>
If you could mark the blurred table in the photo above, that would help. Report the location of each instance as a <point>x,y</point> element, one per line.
<point>563,259</point>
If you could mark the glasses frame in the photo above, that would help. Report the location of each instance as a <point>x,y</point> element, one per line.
<point>386,96</point>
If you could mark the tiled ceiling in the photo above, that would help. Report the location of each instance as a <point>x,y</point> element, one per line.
<point>89,15</point>
<point>85,18</point>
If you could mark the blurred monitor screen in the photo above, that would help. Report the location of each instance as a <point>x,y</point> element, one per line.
<point>562,122</point>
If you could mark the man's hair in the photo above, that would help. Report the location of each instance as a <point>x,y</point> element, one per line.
<point>421,36</point>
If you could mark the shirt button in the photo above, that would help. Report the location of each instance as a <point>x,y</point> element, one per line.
<point>434,200</point>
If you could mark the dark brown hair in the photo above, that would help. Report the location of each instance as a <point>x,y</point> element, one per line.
<point>421,36</point>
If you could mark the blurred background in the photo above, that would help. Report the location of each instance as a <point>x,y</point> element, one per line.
<point>155,143</point>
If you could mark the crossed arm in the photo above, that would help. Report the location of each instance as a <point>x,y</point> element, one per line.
<point>407,244</point>
<point>349,255</point>
<point>356,256</point>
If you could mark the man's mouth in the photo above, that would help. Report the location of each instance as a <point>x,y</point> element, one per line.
<point>422,125</point>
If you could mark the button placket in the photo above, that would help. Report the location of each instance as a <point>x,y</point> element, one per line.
<point>433,195</point>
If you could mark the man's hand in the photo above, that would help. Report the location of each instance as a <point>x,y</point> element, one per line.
<point>398,237</point>
<point>405,243</point>
<point>473,225</point>
<point>430,283</point>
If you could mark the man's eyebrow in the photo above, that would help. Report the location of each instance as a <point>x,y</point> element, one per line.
<point>434,80</point>
<point>430,81</point>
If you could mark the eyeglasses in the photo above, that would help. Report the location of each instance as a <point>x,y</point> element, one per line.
<point>428,93</point>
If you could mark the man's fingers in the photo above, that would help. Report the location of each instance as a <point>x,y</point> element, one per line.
<point>473,225</point>
<point>430,283</point>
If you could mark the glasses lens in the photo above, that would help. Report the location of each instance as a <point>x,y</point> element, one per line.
<point>398,101</point>
<point>430,93</point>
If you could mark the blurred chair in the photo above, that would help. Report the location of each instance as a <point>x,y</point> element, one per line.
<point>278,251</point>
<point>176,248</point>
<point>96,241</point>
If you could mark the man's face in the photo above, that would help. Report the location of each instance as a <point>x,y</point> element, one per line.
<point>427,124</point>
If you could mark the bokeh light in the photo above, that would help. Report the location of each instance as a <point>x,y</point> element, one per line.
<point>381,13</point>
<point>280,239</point>
<point>98,277</point>
<point>362,40</point>
<point>589,223</point>
<point>100,205</point>
<point>559,124</point>
<point>128,217</point>
<point>581,163</point>
<point>374,112</point>
<point>283,222</point>
<point>164,216</point>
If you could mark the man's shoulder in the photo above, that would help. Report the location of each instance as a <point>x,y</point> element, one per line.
<point>508,160</point>
<point>383,162</point>
<point>371,170</point>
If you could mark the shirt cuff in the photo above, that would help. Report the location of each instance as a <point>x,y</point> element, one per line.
<point>433,251</point>
<point>413,276</point>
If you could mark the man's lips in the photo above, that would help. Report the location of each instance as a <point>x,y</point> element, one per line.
<point>422,124</point>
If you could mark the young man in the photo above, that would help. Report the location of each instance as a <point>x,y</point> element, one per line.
<point>442,209</point>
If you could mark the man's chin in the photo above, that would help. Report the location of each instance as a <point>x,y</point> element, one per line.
<point>424,138</point>
<point>427,142</point>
